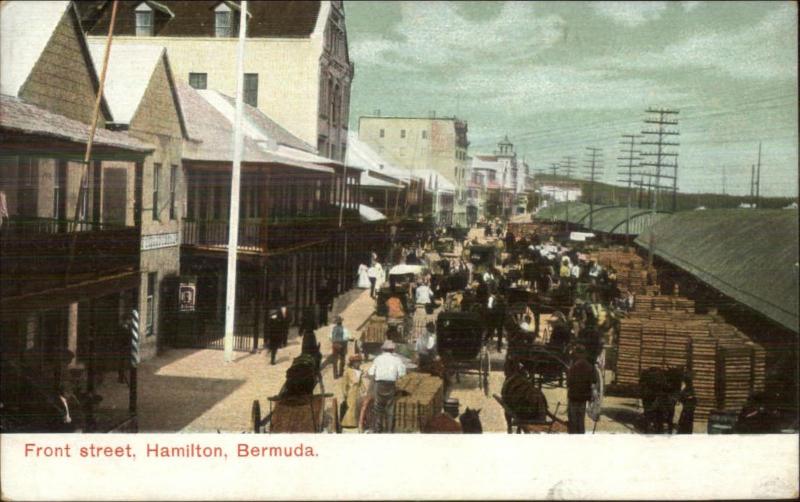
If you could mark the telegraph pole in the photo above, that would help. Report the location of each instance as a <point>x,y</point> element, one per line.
<point>758,177</point>
<point>660,155</point>
<point>631,157</point>
<point>594,165</point>
<point>568,165</point>
<point>554,168</point>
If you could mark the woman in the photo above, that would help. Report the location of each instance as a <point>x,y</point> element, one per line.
<point>363,277</point>
<point>354,389</point>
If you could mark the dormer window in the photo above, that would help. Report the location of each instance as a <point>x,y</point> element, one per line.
<point>144,20</point>
<point>224,21</point>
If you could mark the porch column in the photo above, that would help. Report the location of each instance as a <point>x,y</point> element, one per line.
<point>72,335</point>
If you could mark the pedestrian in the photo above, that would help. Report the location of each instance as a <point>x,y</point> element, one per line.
<point>309,344</point>
<point>688,401</point>
<point>362,277</point>
<point>373,273</point>
<point>354,390</point>
<point>339,338</point>
<point>274,334</point>
<point>283,318</point>
<point>423,294</point>
<point>385,370</point>
<point>495,314</point>
<point>426,346</point>
<point>580,377</point>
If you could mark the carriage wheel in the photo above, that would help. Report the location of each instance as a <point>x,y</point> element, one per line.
<point>485,369</point>
<point>255,417</point>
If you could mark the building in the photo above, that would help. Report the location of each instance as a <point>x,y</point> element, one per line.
<point>413,143</point>
<point>69,231</point>
<point>299,222</point>
<point>140,91</point>
<point>297,67</point>
<point>502,177</point>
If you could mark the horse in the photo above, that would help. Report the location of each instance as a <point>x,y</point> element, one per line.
<point>442,424</point>
<point>659,389</point>
<point>471,422</point>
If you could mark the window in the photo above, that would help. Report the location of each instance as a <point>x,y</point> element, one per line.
<point>198,80</point>
<point>402,133</point>
<point>223,21</point>
<point>151,292</point>
<point>173,181</point>
<point>424,134</point>
<point>382,133</point>
<point>251,89</point>
<point>144,20</point>
<point>156,176</point>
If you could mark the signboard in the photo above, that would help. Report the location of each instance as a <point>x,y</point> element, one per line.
<point>187,295</point>
<point>159,241</point>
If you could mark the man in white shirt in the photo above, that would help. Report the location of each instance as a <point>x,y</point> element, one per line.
<point>424,294</point>
<point>426,345</point>
<point>385,370</point>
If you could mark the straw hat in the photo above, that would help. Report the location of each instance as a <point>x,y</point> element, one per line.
<point>388,345</point>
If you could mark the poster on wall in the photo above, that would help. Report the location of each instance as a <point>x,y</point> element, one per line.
<point>187,296</point>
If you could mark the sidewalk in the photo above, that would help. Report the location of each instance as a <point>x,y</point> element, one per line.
<point>194,390</point>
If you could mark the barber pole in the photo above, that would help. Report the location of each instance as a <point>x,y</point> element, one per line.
<point>134,338</point>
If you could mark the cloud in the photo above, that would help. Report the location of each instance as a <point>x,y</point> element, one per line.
<point>433,35</point>
<point>630,14</point>
<point>766,50</point>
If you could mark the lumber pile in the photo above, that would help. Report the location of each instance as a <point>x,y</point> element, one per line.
<point>419,398</point>
<point>632,270</point>
<point>374,330</point>
<point>725,364</point>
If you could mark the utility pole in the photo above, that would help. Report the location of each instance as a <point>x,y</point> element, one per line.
<point>594,164</point>
<point>568,164</point>
<point>661,121</point>
<point>554,171</point>
<point>233,224</point>
<point>758,177</point>
<point>752,183</point>
<point>631,158</point>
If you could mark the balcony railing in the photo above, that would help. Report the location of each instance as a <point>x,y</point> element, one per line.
<point>41,253</point>
<point>255,236</point>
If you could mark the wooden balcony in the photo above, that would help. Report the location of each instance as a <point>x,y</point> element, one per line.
<point>257,238</point>
<point>37,254</point>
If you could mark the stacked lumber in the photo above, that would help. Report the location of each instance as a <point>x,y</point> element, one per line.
<point>419,398</point>
<point>725,364</point>
<point>632,270</point>
<point>629,355</point>
<point>648,302</point>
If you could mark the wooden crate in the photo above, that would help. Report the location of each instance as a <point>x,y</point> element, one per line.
<point>424,400</point>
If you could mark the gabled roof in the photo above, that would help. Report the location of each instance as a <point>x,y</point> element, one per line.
<point>748,255</point>
<point>130,69</point>
<point>434,180</point>
<point>19,116</point>
<point>26,29</point>
<point>211,133</point>
<point>259,120</point>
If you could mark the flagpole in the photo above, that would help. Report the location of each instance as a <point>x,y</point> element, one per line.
<point>233,225</point>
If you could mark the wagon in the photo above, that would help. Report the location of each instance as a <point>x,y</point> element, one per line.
<point>297,408</point>
<point>445,245</point>
<point>461,345</point>
<point>482,258</point>
<point>525,407</point>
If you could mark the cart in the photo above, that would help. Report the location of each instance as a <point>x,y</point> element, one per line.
<point>297,408</point>
<point>482,258</point>
<point>462,347</point>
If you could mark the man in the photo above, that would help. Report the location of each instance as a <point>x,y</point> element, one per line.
<point>426,346</point>
<point>495,314</point>
<point>580,377</point>
<point>385,370</point>
<point>339,338</point>
<point>374,273</point>
<point>424,294</point>
<point>274,334</point>
<point>353,391</point>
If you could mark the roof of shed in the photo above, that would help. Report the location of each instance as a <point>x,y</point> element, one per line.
<point>748,255</point>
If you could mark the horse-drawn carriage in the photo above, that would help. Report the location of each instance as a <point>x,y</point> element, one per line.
<point>462,347</point>
<point>296,408</point>
<point>483,258</point>
<point>525,406</point>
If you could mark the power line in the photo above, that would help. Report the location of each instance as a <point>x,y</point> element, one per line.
<point>593,166</point>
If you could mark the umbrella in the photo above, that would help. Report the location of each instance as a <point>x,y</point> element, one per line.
<point>405,269</point>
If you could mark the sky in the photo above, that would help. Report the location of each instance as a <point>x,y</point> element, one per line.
<point>558,77</point>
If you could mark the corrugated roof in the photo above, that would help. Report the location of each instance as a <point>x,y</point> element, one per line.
<point>211,134</point>
<point>558,212</point>
<point>130,68</point>
<point>611,219</point>
<point>20,116</point>
<point>748,255</point>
